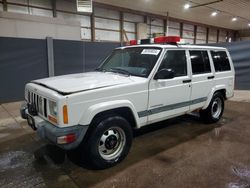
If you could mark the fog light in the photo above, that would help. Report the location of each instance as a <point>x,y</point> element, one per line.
<point>66,139</point>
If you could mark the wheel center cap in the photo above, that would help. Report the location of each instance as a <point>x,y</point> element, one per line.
<point>111,142</point>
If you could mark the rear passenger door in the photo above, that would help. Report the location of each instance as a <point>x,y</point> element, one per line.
<point>202,77</point>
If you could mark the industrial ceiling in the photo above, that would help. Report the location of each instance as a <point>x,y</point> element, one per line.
<point>226,10</point>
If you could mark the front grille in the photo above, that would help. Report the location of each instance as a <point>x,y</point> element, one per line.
<point>38,103</point>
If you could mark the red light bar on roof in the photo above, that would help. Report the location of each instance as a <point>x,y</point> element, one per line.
<point>167,39</point>
<point>157,40</point>
<point>133,42</point>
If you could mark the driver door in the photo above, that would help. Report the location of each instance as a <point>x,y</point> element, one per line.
<point>170,97</point>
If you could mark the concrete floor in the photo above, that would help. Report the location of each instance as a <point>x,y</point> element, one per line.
<point>181,152</point>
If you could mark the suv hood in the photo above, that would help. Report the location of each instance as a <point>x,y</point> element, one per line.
<point>84,81</point>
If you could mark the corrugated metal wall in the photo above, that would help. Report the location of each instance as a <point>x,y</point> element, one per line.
<point>241,58</point>
<point>23,60</point>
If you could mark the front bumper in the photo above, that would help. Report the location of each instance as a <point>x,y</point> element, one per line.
<point>50,132</point>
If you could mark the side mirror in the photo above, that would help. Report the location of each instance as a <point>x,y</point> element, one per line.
<point>164,74</point>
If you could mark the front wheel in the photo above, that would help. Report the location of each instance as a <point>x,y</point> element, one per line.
<point>215,109</point>
<point>108,143</point>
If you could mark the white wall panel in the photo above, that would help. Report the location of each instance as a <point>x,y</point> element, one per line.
<point>18,9</point>
<point>41,12</point>
<point>173,32</point>
<point>130,36</point>
<point>1,7</point>
<point>200,41</point>
<point>212,35</point>
<point>189,41</point>
<point>85,34</point>
<point>107,24</point>
<point>156,21</point>
<point>18,1</point>
<point>107,13</point>
<point>201,36</point>
<point>223,36</point>
<point>106,35</point>
<point>188,27</point>
<point>174,24</point>
<point>84,20</point>
<point>41,3</point>
<point>155,29</point>
<point>66,5</point>
<point>201,29</point>
<point>188,34</point>
<point>128,26</point>
<point>133,17</point>
<point>211,42</point>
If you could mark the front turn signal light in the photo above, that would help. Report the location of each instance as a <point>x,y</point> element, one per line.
<point>65,114</point>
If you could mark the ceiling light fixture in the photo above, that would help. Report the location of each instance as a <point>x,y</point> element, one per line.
<point>186,6</point>
<point>234,19</point>
<point>249,24</point>
<point>214,13</point>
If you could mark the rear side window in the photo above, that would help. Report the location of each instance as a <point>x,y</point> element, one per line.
<point>200,62</point>
<point>175,60</point>
<point>221,62</point>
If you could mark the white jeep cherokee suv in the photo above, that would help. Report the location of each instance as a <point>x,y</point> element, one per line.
<point>135,86</point>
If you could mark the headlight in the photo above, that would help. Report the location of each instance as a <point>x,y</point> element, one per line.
<point>52,108</point>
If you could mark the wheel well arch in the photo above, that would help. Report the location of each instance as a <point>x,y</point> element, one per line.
<point>222,91</point>
<point>124,112</point>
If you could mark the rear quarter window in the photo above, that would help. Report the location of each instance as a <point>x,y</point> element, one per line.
<point>221,61</point>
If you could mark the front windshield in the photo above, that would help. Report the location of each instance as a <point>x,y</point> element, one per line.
<point>136,61</point>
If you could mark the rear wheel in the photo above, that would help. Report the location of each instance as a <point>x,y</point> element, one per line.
<point>215,109</point>
<point>108,143</point>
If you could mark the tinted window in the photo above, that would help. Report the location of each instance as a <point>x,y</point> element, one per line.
<point>200,62</point>
<point>175,60</point>
<point>221,62</point>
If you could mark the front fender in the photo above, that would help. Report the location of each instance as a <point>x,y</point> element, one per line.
<point>214,89</point>
<point>95,109</point>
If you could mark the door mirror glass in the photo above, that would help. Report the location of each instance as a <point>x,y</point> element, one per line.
<point>164,74</point>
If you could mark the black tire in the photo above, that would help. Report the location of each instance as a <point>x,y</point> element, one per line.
<point>112,126</point>
<point>214,111</point>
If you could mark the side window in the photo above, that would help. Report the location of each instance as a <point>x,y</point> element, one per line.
<point>175,60</point>
<point>200,62</point>
<point>221,62</point>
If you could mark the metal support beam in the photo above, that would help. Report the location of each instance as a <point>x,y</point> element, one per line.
<point>204,4</point>
<point>207,35</point>
<point>92,23</point>
<point>53,3</point>
<point>4,5</point>
<point>166,23</point>
<point>218,36</point>
<point>121,27</point>
<point>195,34</point>
<point>181,30</point>
<point>227,36</point>
<point>50,54</point>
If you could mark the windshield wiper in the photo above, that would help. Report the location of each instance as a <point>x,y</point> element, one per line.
<point>100,69</point>
<point>119,70</point>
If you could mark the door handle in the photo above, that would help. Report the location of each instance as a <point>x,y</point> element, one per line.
<point>186,81</point>
<point>210,77</point>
